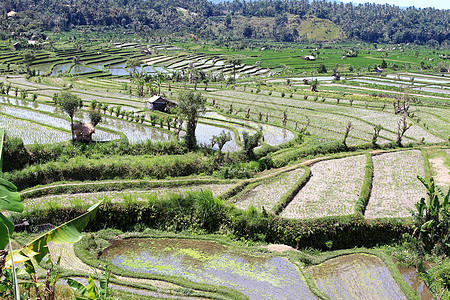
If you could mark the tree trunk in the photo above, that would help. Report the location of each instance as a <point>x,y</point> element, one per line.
<point>71,127</point>
<point>190,134</point>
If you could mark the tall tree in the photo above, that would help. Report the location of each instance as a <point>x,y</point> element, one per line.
<point>190,106</point>
<point>251,142</point>
<point>70,104</point>
<point>28,57</point>
<point>234,61</point>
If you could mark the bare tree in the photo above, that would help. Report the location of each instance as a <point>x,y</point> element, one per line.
<point>348,128</point>
<point>376,134</point>
<point>308,121</point>
<point>220,140</point>
<point>402,127</point>
<point>314,85</point>
<point>178,126</point>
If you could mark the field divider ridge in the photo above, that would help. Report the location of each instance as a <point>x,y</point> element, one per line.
<point>366,188</point>
<point>287,198</point>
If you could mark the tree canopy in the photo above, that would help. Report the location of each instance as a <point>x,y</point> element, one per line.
<point>191,105</point>
<point>367,22</point>
<point>70,104</point>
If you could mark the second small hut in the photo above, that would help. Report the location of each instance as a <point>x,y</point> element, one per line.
<point>83,131</point>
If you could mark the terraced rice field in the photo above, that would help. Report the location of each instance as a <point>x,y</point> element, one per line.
<point>256,276</point>
<point>83,199</point>
<point>325,119</point>
<point>205,132</point>
<point>356,276</point>
<point>395,187</point>
<point>36,118</point>
<point>272,135</point>
<point>203,62</point>
<point>31,132</point>
<point>332,190</point>
<point>435,120</point>
<point>268,192</point>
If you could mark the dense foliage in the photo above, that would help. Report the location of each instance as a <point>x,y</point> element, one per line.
<point>271,19</point>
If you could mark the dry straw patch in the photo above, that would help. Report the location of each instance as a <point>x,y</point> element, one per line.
<point>269,192</point>
<point>441,172</point>
<point>332,190</point>
<point>395,185</point>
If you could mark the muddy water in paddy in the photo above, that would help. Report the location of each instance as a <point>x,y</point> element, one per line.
<point>256,276</point>
<point>356,276</point>
<point>60,69</point>
<point>412,278</point>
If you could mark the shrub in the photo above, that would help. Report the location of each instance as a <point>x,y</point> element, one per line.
<point>366,188</point>
<point>128,167</point>
<point>15,156</point>
<point>239,170</point>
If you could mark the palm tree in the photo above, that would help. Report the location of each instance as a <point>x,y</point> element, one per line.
<point>28,57</point>
<point>234,61</point>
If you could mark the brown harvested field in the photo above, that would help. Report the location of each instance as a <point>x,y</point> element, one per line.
<point>395,187</point>
<point>268,192</point>
<point>332,190</point>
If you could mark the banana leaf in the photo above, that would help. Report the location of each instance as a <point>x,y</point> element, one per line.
<point>9,200</point>
<point>9,196</point>
<point>2,134</point>
<point>6,226</point>
<point>69,232</point>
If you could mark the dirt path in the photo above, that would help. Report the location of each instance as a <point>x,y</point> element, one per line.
<point>442,177</point>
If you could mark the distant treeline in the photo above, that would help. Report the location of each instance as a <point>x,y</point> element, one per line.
<point>366,22</point>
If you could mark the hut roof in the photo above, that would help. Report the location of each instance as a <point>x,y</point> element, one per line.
<point>85,129</point>
<point>309,57</point>
<point>157,97</point>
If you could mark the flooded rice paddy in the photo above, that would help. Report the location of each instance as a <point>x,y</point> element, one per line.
<point>60,69</point>
<point>256,276</point>
<point>356,276</point>
<point>205,132</point>
<point>272,135</point>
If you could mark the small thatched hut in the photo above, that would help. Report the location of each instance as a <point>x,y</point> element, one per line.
<point>83,131</point>
<point>159,103</point>
<point>17,46</point>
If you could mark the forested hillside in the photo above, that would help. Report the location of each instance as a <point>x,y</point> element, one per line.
<point>277,20</point>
